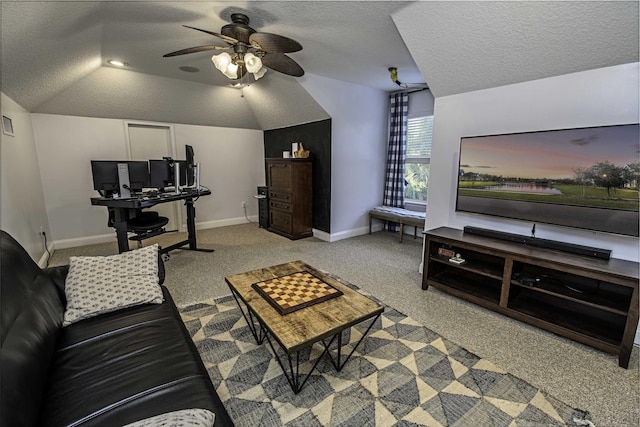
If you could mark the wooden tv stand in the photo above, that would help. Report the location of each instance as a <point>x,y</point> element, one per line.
<point>589,300</point>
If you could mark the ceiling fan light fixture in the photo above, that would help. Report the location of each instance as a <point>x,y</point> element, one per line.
<point>267,50</point>
<point>221,61</point>
<point>252,62</point>
<point>231,71</point>
<point>258,74</point>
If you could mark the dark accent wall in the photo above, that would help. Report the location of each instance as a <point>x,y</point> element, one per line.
<point>316,137</point>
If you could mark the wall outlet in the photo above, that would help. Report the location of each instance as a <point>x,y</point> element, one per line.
<point>244,205</point>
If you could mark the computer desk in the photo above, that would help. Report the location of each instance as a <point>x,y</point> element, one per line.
<point>124,207</point>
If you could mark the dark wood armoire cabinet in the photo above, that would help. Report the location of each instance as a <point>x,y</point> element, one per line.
<point>290,197</point>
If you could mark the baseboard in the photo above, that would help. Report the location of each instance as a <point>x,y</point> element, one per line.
<point>334,237</point>
<point>224,222</point>
<point>322,235</point>
<point>111,237</point>
<point>44,259</point>
<point>87,240</point>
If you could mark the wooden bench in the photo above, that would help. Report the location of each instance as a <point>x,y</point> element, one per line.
<point>399,215</point>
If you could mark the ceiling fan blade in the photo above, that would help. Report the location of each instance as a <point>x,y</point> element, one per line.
<point>274,43</point>
<point>194,50</point>
<point>228,39</point>
<point>282,63</point>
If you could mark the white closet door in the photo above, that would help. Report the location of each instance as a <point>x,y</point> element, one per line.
<point>154,142</point>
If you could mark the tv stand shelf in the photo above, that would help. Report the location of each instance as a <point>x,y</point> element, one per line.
<point>592,301</point>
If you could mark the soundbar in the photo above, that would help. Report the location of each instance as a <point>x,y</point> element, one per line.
<point>541,243</point>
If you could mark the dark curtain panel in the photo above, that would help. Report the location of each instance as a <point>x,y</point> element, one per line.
<point>396,152</point>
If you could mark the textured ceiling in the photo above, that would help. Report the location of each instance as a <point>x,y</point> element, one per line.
<point>465,46</point>
<point>54,53</point>
<point>47,46</point>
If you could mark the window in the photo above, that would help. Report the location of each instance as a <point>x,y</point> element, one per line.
<point>418,158</point>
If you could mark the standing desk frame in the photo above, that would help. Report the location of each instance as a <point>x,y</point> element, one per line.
<point>125,208</point>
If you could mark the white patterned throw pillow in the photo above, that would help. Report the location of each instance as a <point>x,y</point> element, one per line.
<point>100,284</point>
<point>183,418</point>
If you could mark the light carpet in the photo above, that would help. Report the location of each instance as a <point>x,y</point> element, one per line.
<point>581,376</point>
<point>402,374</point>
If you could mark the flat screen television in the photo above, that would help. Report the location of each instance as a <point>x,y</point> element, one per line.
<point>585,177</point>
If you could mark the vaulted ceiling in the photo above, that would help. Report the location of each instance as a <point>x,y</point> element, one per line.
<point>466,46</point>
<point>54,53</point>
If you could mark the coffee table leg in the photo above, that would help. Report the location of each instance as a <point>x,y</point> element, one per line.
<point>259,332</point>
<point>293,374</point>
<point>338,363</point>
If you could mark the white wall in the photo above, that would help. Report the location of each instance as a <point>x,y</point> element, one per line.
<point>232,164</point>
<point>22,204</point>
<point>605,96</point>
<point>359,117</point>
<point>65,147</point>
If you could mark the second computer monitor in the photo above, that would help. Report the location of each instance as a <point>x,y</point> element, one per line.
<point>163,173</point>
<point>190,164</point>
<point>139,177</point>
<point>105,175</point>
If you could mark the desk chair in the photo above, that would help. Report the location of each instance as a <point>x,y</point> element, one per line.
<point>144,225</point>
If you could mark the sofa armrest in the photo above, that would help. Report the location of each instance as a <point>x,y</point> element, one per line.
<point>58,275</point>
<point>161,273</point>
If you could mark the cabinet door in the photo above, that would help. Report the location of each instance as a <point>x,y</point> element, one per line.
<point>279,175</point>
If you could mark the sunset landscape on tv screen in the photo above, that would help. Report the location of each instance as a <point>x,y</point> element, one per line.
<point>585,178</point>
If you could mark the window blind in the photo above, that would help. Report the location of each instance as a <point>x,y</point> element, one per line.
<point>419,133</point>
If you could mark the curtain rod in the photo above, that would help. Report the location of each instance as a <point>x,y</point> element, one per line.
<point>411,91</point>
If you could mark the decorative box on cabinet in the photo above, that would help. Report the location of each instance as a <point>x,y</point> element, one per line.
<point>290,197</point>
<point>592,301</point>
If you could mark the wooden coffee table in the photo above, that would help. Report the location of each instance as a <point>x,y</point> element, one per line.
<point>298,330</point>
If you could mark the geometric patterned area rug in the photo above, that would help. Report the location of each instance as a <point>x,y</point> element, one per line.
<point>402,374</point>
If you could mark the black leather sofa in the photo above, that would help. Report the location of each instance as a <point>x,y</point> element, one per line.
<point>109,370</point>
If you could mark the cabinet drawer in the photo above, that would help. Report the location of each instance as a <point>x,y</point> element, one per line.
<point>279,196</point>
<point>281,201</point>
<point>283,206</point>
<point>281,221</point>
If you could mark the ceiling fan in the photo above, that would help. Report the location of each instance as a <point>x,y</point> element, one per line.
<point>250,51</point>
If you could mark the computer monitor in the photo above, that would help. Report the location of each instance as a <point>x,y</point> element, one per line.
<point>190,165</point>
<point>162,173</point>
<point>139,177</point>
<point>105,175</point>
